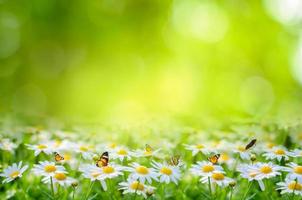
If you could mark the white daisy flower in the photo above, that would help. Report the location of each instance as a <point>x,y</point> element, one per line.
<point>90,171</point>
<point>48,169</point>
<point>146,153</point>
<point>296,153</point>
<point>244,154</point>
<point>121,153</point>
<point>7,145</point>
<point>133,186</point>
<point>198,148</point>
<point>61,146</point>
<point>249,172</point>
<point>290,186</point>
<point>85,150</point>
<point>69,158</point>
<point>38,148</point>
<point>12,172</point>
<point>205,169</point>
<point>227,159</point>
<point>219,178</point>
<point>141,173</point>
<point>110,171</point>
<point>294,171</point>
<point>167,173</point>
<point>266,170</point>
<point>60,178</point>
<point>93,173</point>
<point>277,152</point>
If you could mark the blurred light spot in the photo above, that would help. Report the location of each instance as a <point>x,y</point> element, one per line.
<point>256,95</point>
<point>48,60</point>
<point>296,67</point>
<point>201,20</point>
<point>285,11</point>
<point>176,89</point>
<point>29,99</point>
<point>9,35</point>
<point>128,111</point>
<point>9,67</point>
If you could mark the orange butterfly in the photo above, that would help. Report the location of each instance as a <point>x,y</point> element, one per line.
<point>214,159</point>
<point>103,160</point>
<point>58,157</point>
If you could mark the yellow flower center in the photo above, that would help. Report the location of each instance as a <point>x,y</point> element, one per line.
<point>122,152</point>
<point>60,176</point>
<point>67,156</point>
<point>83,148</point>
<point>298,169</point>
<point>108,169</point>
<point>14,174</point>
<point>142,170</point>
<point>266,169</point>
<point>57,143</point>
<point>137,186</point>
<point>218,176</point>
<point>207,168</point>
<point>224,157</point>
<point>241,148</point>
<point>50,168</point>
<point>199,146</point>
<point>279,152</point>
<point>166,170</point>
<point>295,186</point>
<point>41,146</point>
<point>270,145</point>
<point>112,145</point>
<point>95,174</point>
<point>148,153</point>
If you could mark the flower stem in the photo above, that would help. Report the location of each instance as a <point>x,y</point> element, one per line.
<point>231,195</point>
<point>210,188</point>
<point>52,190</point>
<point>73,193</point>
<point>247,191</point>
<point>90,188</point>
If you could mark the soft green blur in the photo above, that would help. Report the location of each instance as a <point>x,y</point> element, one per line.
<point>128,60</point>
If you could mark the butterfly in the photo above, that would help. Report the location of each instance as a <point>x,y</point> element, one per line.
<point>148,148</point>
<point>103,160</point>
<point>174,160</point>
<point>251,144</point>
<point>58,157</point>
<point>214,159</point>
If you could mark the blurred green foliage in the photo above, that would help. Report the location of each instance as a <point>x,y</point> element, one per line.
<point>130,59</point>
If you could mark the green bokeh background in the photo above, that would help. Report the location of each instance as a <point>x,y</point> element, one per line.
<point>127,60</point>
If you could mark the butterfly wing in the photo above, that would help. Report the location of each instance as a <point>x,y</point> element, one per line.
<point>103,161</point>
<point>148,148</point>
<point>214,159</point>
<point>58,157</point>
<point>251,144</point>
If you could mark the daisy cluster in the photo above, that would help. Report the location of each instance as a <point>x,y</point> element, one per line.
<point>147,171</point>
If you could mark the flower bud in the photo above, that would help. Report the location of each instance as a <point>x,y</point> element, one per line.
<point>232,184</point>
<point>253,157</point>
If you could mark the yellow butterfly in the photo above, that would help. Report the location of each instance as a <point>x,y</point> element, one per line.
<point>214,159</point>
<point>148,148</point>
<point>103,160</point>
<point>58,157</point>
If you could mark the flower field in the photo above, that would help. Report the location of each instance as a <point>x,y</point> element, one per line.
<point>243,162</point>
